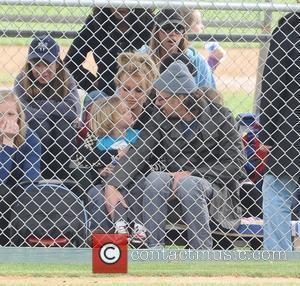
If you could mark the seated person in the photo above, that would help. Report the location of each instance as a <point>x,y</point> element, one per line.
<point>49,94</point>
<point>106,33</point>
<point>110,136</point>
<point>19,155</point>
<point>203,162</point>
<point>169,36</point>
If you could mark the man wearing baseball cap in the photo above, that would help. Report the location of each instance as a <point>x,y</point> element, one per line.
<point>201,167</point>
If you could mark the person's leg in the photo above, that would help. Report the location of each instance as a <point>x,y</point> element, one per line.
<point>134,199</point>
<point>157,192</point>
<point>121,214</point>
<point>98,217</point>
<point>277,201</point>
<point>296,204</point>
<point>191,192</point>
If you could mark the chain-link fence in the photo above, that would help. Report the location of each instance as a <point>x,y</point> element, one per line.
<point>117,119</point>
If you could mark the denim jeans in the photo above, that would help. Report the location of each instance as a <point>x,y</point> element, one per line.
<point>97,212</point>
<point>192,193</point>
<point>279,194</point>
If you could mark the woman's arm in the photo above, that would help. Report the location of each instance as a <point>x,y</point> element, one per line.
<point>273,86</point>
<point>6,162</point>
<point>77,54</point>
<point>229,153</point>
<point>31,162</point>
<point>204,76</point>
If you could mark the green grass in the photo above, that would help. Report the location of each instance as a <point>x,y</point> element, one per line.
<point>44,10</point>
<point>208,269</point>
<point>238,102</point>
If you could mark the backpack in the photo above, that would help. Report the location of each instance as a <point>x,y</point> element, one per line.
<point>249,128</point>
<point>48,214</point>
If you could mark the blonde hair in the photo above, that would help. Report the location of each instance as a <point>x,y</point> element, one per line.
<point>139,65</point>
<point>155,46</point>
<point>105,113</point>
<point>60,84</point>
<point>9,95</point>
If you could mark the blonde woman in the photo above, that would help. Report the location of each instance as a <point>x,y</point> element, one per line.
<point>20,152</point>
<point>133,81</point>
<point>49,95</point>
<point>169,37</point>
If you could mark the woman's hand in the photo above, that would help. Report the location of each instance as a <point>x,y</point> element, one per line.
<point>106,171</point>
<point>122,153</point>
<point>177,176</point>
<point>112,198</point>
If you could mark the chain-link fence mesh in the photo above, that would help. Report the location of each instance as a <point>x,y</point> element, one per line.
<point>175,126</point>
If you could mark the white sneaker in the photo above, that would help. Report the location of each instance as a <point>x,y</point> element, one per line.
<point>139,234</point>
<point>121,227</point>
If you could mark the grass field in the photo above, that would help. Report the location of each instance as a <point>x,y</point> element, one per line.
<point>202,273</point>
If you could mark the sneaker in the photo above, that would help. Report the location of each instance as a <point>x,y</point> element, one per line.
<point>121,227</point>
<point>139,235</point>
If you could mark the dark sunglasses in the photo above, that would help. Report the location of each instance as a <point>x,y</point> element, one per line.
<point>179,29</point>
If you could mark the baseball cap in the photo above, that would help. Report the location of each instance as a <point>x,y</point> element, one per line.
<point>45,48</point>
<point>176,79</point>
<point>169,16</point>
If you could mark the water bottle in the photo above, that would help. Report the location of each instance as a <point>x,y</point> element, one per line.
<point>216,54</point>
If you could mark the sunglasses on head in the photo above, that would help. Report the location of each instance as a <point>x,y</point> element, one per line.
<point>168,28</point>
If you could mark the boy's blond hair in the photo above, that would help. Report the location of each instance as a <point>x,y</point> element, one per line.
<point>136,64</point>
<point>9,95</point>
<point>105,113</point>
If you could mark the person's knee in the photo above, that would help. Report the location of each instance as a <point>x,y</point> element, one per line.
<point>193,186</point>
<point>96,196</point>
<point>157,180</point>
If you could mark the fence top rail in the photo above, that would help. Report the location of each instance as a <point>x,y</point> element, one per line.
<point>159,4</point>
<point>81,19</point>
<point>191,37</point>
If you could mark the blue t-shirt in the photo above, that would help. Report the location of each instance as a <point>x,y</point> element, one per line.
<point>204,75</point>
<point>117,143</point>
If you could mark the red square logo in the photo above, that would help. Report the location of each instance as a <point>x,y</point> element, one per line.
<point>110,253</point>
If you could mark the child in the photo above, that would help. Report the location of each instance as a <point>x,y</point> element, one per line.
<point>108,140</point>
<point>20,152</point>
<point>193,19</point>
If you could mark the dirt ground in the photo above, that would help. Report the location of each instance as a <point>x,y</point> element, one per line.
<point>139,280</point>
<point>237,72</point>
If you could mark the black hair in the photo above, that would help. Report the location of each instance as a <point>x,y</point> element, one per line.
<point>102,17</point>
